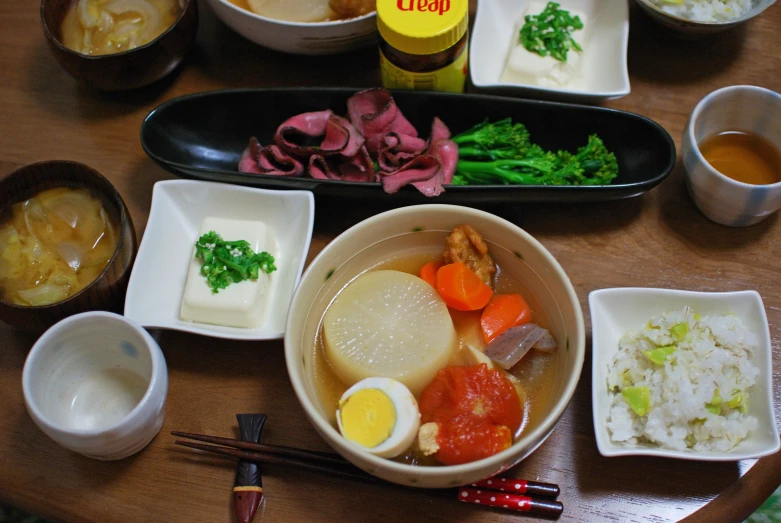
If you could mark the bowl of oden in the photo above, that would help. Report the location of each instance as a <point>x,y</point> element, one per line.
<point>115,45</point>
<point>434,345</point>
<point>702,17</point>
<point>308,27</point>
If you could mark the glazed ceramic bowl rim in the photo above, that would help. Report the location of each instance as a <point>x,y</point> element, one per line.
<point>132,417</point>
<point>660,11</point>
<point>695,146</point>
<point>50,36</point>
<point>508,456</point>
<point>276,21</point>
<point>124,216</point>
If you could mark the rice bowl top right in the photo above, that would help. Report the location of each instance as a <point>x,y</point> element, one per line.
<point>657,354</point>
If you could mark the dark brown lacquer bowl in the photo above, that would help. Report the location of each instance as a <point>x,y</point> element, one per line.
<point>107,292</point>
<point>127,70</point>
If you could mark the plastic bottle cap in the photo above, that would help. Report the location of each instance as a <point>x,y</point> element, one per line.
<point>422,26</point>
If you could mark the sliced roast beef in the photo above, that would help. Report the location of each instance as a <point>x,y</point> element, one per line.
<point>358,168</point>
<point>257,159</point>
<point>398,149</point>
<point>374,113</point>
<point>338,135</point>
<point>248,163</point>
<point>420,169</point>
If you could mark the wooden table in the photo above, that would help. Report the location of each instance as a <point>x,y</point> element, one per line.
<point>658,239</point>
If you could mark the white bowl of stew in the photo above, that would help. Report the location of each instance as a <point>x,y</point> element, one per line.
<point>404,240</point>
<point>301,33</point>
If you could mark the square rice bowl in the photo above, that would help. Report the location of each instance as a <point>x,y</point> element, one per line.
<point>614,312</point>
<point>157,283</point>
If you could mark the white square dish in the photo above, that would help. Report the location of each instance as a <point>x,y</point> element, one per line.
<point>614,312</point>
<point>157,283</point>
<point>605,71</point>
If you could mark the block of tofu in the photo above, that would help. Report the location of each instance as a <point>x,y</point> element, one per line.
<point>526,67</point>
<point>241,304</point>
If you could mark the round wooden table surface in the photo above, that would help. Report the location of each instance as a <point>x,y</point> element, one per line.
<point>656,240</point>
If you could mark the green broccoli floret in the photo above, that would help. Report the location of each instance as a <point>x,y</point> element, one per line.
<point>502,153</point>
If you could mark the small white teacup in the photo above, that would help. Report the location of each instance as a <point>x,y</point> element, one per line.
<point>720,198</point>
<point>96,383</point>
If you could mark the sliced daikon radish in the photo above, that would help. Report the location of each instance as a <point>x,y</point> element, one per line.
<point>390,324</point>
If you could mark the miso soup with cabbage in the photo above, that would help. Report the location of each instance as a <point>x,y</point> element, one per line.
<point>53,245</point>
<point>98,27</point>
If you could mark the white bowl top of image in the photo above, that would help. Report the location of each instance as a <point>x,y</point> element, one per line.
<point>299,37</point>
<point>602,66</point>
<point>96,383</point>
<point>157,286</point>
<point>614,312</point>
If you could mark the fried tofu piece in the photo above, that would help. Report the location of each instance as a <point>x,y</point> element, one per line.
<point>467,246</point>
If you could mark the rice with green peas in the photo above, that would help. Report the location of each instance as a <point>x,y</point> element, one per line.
<point>683,381</point>
<point>705,10</point>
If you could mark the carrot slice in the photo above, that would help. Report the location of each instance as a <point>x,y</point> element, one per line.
<point>462,289</point>
<point>503,312</point>
<point>429,272</point>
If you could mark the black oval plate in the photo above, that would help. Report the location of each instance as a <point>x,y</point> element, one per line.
<point>202,136</point>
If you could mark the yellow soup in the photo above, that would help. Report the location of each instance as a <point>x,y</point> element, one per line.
<point>97,27</point>
<point>53,245</point>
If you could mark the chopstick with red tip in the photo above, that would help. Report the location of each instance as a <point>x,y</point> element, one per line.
<point>503,493</point>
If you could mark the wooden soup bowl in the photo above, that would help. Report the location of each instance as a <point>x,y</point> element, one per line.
<point>107,291</point>
<point>126,70</point>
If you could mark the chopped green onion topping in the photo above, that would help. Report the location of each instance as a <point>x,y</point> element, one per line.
<point>550,32</point>
<point>226,262</point>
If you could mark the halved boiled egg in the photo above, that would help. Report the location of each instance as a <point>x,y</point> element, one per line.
<point>379,414</point>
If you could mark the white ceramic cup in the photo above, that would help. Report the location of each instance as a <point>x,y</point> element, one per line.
<point>96,384</point>
<point>720,198</point>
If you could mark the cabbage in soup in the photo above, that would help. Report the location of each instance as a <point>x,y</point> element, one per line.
<point>53,245</point>
<point>98,27</point>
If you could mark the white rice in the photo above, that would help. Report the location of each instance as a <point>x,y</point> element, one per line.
<point>714,354</point>
<point>705,10</point>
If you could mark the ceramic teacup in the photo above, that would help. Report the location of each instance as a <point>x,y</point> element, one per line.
<point>96,384</point>
<point>720,198</point>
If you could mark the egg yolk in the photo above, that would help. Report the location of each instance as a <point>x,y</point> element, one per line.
<point>368,417</point>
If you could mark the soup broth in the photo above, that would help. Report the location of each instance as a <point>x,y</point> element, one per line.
<point>53,245</point>
<point>98,27</point>
<point>536,372</point>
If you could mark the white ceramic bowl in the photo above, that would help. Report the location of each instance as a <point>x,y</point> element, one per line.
<point>96,384</point>
<point>156,287</point>
<point>690,28</point>
<point>614,312</point>
<point>720,198</point>
<point>407,230</point>
<point>605,70</point>
<point>312,38</point>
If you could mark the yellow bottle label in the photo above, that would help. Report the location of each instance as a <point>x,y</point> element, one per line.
<point>450,78</point>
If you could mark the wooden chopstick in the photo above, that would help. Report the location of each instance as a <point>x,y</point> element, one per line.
<point>506,493</point>
<point>322,457</point>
